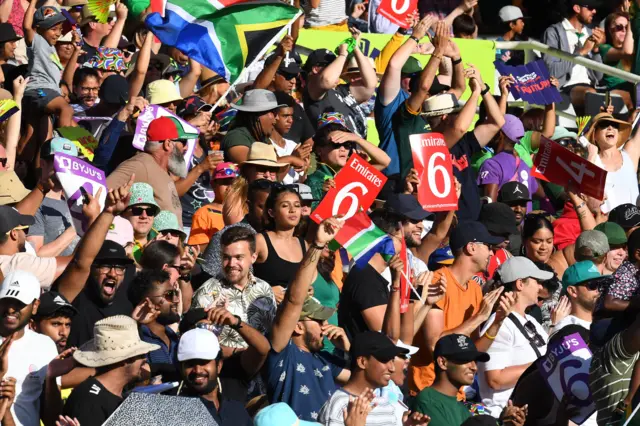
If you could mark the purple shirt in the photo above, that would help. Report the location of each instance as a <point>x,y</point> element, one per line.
<point>503,168</point>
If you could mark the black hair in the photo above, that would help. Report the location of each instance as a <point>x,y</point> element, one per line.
<point>633,245</point>
<point>251,121</point>
<point>464,25</point>
<point>258,185</point>
<point>552,284</point>
<point>236,234</point>
<point>82,74</point>
<point>269,223</point>
<point>321,137</point>
<point>533,119</point>
<point>64,312</point>
<point>284,99</point>
<point>157,254</point>
<point>144,282</point>
<point>532,223</point>
<point>385,220</point>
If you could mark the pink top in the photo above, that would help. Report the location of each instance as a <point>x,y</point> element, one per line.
<point>17,16</point>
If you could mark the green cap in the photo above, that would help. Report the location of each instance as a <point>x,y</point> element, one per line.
<point>313,309</point>
<point>614,232</point>
<point>562,133</point>
<point>167,221</point>
<point>58,145</point>
<point>580,273</point>
<point>142,193</point>
<point>412,66</point>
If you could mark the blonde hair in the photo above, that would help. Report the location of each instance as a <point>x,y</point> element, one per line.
<point>234,206</point>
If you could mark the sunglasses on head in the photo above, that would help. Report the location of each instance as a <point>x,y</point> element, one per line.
<point>137,211</point>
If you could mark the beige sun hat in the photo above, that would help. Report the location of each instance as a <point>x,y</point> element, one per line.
<point>442,104</point>
<point>115,339</point>
<point>262,154</point>
<point>623,133</point>
<point>162,92</point>
<point>352,69</point>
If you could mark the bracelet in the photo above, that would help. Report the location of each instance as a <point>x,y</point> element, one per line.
<point>437,55</point>
<point>394,289</point>
<point>581,205</point>
<point>317,246</point>
<point>402,31</point>
<point>238,326</point>
<point>186,277</point>
<point>486,334</point>
<point>414,38</point>
<point>485,90</point>
<point>456,61</point>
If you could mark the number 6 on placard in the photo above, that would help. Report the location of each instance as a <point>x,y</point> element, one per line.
<point>401,10</point>
<point>432,168</point>
<point>344,193</point>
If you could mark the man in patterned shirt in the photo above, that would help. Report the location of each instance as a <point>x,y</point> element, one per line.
<point>238,290</point>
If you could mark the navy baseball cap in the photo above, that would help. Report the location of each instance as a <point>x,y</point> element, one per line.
<point>471,232</point>
<point>406,205</point>
<point>460,348</point>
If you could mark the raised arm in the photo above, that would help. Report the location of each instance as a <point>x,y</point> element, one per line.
<point>115,35</point>
<point>189,81</point>
<point>458,81</point>
<point>27,24</point>
<point>362,93</point>
<point>70,68</point>
<point>5,10</point>
<point>452,134</point>
<point>267,74</point>
<point>13,124</point>
<point>72,281</point>
<point>320,84</point>
<point>633,149</point>
<point>466,6</point>
<point>290,308</point>
<point>624,53</point>
<point>391,321</point>
<point>485,132</point>
<point>136,80</point>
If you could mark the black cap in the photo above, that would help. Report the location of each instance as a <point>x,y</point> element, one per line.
<point>52,302</point>
<point>192,105</point>
<point>458,347</point>
<point>112,253</point>
<point>406,205</point>
<point>114,90</point>
<point>290,63</point>
<point>499,219</point>
<point>7,33</point>
<point>471,232</point>
<point>10,218</point>
<point>376,344</point>
<point>593,3</point>
<point>319,57</point>
<point>191,318</point>
<point>625,215</point>
<point>514,192</point>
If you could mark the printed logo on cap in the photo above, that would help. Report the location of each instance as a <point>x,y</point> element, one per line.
<point>462,342</point>
<point>66,147</point>
<point>47,12</point>
<point>517,190</point>
<point>59,301</point>
<point>631,213</point>
<point>287,60</point>
<point>113,250</point>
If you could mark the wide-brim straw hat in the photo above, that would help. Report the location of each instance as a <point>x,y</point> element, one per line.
<point>263,154</point>
<point>115,339</point>
<point>442,104</point>
<point>623,133</point>
<point>353,70</point>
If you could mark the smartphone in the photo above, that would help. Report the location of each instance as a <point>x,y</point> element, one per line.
<point>607,99</point>
<point>85,196</point>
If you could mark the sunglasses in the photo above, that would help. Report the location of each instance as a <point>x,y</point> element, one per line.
<point>533,334</point>
<point>287,75</point>
<point>589,7</point>
<point>104,269</point>
<point>565,142</point>
<point>137,211</point>
<point>619,28</point>
<point>604,124</point>
<point>170,232</point>
<point>169,296</point>
<point>349,146</point>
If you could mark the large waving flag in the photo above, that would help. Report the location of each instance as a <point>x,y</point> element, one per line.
<point>223,35</point>
<point>363,239</point>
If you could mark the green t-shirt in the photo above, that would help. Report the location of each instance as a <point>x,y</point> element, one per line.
<point>235,137</point>
<point>404,124</point>
<point>328,294</point>
<point>610,81</point>
<point>444,410</point>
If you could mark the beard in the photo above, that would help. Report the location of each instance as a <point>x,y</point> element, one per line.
<point>313,344</point>
<point>205,389</point>
<point>168,318</point>
<point>177,165</point>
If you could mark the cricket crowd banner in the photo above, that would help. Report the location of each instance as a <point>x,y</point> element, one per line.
<point>532,82</point>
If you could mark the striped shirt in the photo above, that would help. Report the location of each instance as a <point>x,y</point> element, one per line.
<point>383,414</point>
<point>610,376</point>
<point>329,12</point>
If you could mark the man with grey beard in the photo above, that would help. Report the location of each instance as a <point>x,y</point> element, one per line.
<point>163,157</point>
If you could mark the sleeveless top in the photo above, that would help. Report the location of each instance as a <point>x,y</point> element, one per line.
<point>275,270</point>
<point>622,185</point>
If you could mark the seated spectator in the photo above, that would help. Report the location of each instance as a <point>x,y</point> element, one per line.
<point>163,154</point>
<point>513,27</point>
<point>288,150</point>
<point>279,248</point>
<point>208,220</point>
<point>53,233</point>
<point>118,355</point>
<point>617,240</point>
<point>212,86</point>
<point>200,361</point>
<point>166,225</point>
<point>164,256</point>
<point>140,212</point>
<point>53,318</point>
<point>263,163</point>
<point>253,123</point>
<point>520,341</point>
<point>456,359</point>
<point>500,222</point>
<point>573,35</point>
<point>608,135</point>
<point>618,51</point>
<point>8,39</point>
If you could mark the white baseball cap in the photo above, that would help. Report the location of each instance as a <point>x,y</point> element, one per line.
<point>519,268</point>
<point>21,285</point>
<point>198,344</point>
<point>510,13</point>
<point>412,349</point>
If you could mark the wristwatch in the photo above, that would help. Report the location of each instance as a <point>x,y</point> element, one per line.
<point>238,326</point>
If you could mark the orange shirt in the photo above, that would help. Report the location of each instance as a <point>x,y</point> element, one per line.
<point>458,304</point>
<point>206,221</point>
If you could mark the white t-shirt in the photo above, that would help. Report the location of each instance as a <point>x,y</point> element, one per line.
<point>289,145</point>
<point>44,268</point>
<point>29,357</point>
<point>509,348</point>
<point>384,413</point>
<point>579,74</point>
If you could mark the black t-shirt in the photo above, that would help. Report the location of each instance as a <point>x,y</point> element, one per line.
<point>91,403</point>
<point>363,289</point>
<point>235,381</point>
<point>301,129</point>
<point>461,153</point>
<point>339,100</point>
<point>91,52</point>
<point>196,196</point>
<point>231,413</point>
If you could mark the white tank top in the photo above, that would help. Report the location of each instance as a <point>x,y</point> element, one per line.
<point>622,185</point>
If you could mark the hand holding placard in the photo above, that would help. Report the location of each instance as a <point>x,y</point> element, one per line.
<point>397,11</point>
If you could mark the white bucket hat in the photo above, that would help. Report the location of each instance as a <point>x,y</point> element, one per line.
<point>115,339</point>
<point>440,105</point>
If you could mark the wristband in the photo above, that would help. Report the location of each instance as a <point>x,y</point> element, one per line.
<point>402,31</point>
<point>394,289</point>
<point>456,61</point>
<point>486,334</point>
<point>485,90</point>
<point>414,38</point>
<point>317,246</point>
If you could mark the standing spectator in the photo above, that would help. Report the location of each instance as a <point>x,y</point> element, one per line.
<point>516,196</point>
<point>513,27</point>
<point>118,355</point>
<point>200,360</point>
<point>29,353</point>
<point>140,212</point>
<point>164,93</point>
<point>96,34</point>
<point>573,35</point>
<point>53,233</point>
<point>618,51</point>
<point>519,342</point>
<point>53,318</point>
<point>325,15</point>
<point>163,155</point>
<point>288,150</point>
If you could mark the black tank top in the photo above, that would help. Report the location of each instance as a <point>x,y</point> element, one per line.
<point>275,270</point>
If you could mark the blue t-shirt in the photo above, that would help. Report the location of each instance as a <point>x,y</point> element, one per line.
<point>383,116</point>
<point>303,380</point>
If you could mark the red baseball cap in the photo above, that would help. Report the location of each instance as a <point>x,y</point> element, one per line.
<point>163,128</point>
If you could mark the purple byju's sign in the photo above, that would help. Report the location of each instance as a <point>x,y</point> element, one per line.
<point>149,114</point>
<point>565,368</point>
<point>532,82</point>
<point>76,178</point>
